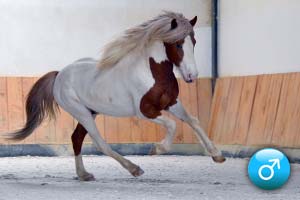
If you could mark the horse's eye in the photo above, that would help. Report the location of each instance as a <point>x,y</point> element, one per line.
<point>178,46</point>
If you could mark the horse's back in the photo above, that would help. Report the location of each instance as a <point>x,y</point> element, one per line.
<point>87,59</point>
<point>101,91</point>
<point>75,74</point>
<point>79,68</point>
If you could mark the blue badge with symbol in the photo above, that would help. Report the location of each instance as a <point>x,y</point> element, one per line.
<point>269,169</point>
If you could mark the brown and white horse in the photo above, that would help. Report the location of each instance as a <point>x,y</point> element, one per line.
<point>134,77</point>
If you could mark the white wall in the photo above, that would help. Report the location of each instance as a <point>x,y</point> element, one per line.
<point>38,36</point>
<point>259,36</point>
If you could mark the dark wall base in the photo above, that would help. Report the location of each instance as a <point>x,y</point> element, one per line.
<point>66,150</point>
<point>236,151</point>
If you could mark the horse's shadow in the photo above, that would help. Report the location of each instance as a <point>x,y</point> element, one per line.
<point>50,180</point>
<point>152,181</point>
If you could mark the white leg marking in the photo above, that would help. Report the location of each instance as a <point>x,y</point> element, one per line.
<point>179,111</point>
<point>85,118</point>
<point>165,145</point>
<point>83,175</point>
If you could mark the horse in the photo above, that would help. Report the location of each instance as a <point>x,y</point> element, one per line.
<point>135,76</point>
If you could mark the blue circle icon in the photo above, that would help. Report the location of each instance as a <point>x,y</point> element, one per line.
<point>269,169</point>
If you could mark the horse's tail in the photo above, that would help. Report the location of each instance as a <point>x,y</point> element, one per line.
<point>40,104</point>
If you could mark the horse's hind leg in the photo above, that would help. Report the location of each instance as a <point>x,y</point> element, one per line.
<point>165,145</point>
<point>77,140</point>
<point>85,118</point>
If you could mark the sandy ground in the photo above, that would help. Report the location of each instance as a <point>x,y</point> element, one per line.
<point>166,177</point>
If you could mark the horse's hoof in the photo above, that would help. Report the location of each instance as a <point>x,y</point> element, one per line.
<point>219,159</point>
<point>157,149</point>
<point>87,177</point>
<point>137,172</point>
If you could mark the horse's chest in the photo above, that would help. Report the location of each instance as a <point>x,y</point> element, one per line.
<point>163,93</point>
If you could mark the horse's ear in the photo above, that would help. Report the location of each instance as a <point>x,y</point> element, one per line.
<point>173,24</point>
<point>193,21</point>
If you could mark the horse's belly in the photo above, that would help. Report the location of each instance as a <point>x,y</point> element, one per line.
<point>114,109</point>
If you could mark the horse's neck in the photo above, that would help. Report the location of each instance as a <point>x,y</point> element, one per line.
<point>157,52</point>
<point>135,67</point>
<point>138,62</point>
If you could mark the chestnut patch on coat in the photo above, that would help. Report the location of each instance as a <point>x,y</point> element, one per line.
<point>175,52</point>
<point>163,93</point>
<point>77,138</point>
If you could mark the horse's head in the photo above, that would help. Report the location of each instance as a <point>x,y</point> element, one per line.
<point>181,53</point>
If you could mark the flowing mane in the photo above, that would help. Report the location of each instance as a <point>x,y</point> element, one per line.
<point>137,38</point>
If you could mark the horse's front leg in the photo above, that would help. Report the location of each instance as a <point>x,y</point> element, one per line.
<point>165,145</point>
<point>179,111</point>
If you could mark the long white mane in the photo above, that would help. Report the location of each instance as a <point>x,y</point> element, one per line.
<point>137,38</point>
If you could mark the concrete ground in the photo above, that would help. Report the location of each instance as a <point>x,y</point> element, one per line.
<point>166,177</point>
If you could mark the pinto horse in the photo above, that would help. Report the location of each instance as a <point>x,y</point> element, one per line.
<point>134,77</point>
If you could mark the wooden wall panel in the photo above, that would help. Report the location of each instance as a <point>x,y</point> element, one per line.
<point>219,105</point>
<point>204,92</point>
<point>124,131</point>
<point>15,104</point>
<point>227,132</point>
<point>4,121</point>
<point>136,130</point>
<point>259,110</point>
<point>111,129</point>
<point>264,109</point>
<point>245,109</point>
<point>149,131</point>
<point>287,124</point>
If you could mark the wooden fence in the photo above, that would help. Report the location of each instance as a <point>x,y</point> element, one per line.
<point>13,91</point>
<point>257,110</point>
<point>249,111</point>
